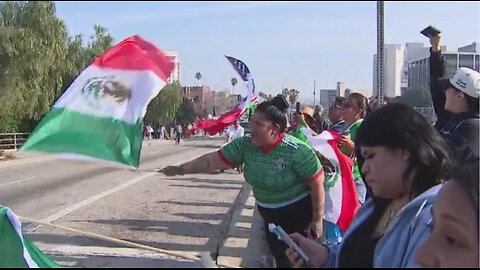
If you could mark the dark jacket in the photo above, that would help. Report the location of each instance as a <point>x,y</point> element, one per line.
<point>339,127</point>
<point>460,131</point>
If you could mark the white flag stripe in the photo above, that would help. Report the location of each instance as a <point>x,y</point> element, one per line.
<point>334,196</point>
<point>143,86</point>
<point>18,229</point>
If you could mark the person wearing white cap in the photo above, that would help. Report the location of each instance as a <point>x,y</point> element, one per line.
<point>456,104</point>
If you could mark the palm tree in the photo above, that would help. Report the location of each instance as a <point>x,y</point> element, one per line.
<point>234,82</point>
<point>198,76</point>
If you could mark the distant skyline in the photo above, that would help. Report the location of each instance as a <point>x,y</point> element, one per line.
<point>283,43</point>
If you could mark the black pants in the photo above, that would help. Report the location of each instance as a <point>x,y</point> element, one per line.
<point>293,218</point>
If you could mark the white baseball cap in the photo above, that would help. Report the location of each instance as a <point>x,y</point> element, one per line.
<point>467,80</point>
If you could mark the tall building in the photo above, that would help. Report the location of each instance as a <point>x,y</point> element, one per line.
<point>327,97</point>
<point>472,48</point>
<point>397,59</point>
<point>394,55</point>
<point>175,75</point>
<point>341,89</point>
<point>412,51</point>
<point>199,96</point>
<point>418,69</point>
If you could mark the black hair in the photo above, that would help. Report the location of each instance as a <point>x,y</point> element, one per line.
<point>275,110</point>
<point>398,126</point>
<point>340,100</point>
<point>361,102</point>
<point>467,176</point>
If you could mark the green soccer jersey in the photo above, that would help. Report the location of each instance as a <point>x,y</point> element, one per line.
<point>278,174</point>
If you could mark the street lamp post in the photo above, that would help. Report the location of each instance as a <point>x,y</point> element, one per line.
<point>380,53</point>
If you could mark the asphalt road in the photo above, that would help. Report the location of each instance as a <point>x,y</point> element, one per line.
<point>187,215</point>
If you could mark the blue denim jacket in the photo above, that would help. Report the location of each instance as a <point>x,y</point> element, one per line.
<point>403,237</point>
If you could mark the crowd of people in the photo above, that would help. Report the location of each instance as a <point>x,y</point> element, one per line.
<point>170,132</point>
<point>417,184</point>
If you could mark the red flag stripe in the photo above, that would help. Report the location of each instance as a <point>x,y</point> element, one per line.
<point>213,126</point>
<point>134,53</point>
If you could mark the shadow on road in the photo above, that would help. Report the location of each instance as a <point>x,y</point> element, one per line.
<point>195,232</point>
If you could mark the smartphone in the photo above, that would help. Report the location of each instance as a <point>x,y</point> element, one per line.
<point>298,107</point>
<point>430,31</point>
<point>283,236</point>
<point>346,132</point>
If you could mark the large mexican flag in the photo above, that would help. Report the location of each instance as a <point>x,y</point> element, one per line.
<point>16,251</point>
<point>100,115</point>
<point>341,203</point>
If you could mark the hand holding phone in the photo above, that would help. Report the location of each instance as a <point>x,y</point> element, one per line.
<point>282,235</point>
<point>430,31</point>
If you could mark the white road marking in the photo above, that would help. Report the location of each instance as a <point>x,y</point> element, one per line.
<point>94,198</point>
<point>18,181</point>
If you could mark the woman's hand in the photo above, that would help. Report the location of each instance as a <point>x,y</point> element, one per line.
<point>315,230</point>
<point>346,141</point>
<point>317,254</point>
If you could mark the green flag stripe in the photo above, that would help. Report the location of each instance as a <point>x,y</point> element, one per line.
<point>66,131</point>
<point>42,260</point>
<point>14,254</point>
<point>11,250</point>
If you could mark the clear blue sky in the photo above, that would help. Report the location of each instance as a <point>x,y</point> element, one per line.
<point>283,43</point>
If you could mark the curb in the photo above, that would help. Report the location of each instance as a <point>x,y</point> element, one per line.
<point>245,245</point>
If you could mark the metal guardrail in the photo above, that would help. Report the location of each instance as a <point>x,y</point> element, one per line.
<point>12,141</point>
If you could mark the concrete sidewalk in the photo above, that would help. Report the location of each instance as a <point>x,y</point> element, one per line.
<point>246,244</point>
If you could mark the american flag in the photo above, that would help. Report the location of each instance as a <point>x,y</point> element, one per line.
<point>246,76</point>
<point>214,126</point>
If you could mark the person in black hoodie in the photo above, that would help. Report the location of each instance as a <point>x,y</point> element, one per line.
<point>456,104</point>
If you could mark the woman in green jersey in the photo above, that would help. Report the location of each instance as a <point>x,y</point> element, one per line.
<point>284,172</point>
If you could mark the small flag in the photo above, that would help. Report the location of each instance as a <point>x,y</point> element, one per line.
<point>100,115</point>
<point>213,126</point>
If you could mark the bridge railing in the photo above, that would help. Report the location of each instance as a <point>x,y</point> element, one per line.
<point>12,141</point>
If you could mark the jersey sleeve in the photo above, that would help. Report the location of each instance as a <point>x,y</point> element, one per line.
<point>306,164</point>
<point>233,153</point>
